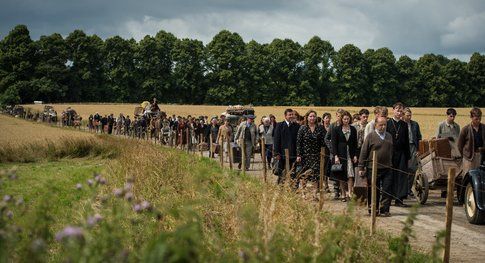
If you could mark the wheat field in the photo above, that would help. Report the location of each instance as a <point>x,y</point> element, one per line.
<point>428,118</point>
<point>16,131</point>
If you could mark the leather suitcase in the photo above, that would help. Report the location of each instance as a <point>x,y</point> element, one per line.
<point>441,146</point>
<point>423,147</point>
<point>236,153</point>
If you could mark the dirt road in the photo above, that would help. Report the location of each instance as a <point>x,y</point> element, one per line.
<point>467,240</point>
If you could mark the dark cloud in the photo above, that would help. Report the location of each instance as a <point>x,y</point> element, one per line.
<point>448,27</point>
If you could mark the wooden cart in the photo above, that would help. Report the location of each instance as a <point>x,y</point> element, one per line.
<point>432,173</point>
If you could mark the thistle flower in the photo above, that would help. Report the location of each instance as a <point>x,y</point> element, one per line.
<point>97,177</point>
<point>79,186</point>
<point>90,182</point>
<point>145,205</point>
<point>93,220</point>
<point>137,208</point>
<point>102,181</point>
<point>118,192</point>
<point>7,198</point>
<point>20,201</point>
<point>70,232</point>
<point>128,187</point>
<point>129,196</point>
<point>9,214</point>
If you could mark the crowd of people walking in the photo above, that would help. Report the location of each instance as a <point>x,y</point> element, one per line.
<point>347,143</point>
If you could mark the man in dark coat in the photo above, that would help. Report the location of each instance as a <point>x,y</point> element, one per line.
<point>285,138</point>
<point>400,153</point>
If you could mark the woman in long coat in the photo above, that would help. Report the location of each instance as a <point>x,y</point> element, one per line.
<point>344,150</point>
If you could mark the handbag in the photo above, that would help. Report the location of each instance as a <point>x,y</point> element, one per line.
<point>337,168</point>
<point>276,167</point>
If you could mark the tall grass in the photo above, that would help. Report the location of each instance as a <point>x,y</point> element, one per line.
<point>65,147</point>
<point>199,212</point>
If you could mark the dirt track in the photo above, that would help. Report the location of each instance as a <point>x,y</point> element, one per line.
<point>467,240</point>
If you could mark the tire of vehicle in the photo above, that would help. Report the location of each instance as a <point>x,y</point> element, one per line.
<point>421,187</point>
<point>473,214</point>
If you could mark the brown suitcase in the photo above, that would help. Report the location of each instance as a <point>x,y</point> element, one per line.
<point>441,146</point>
<point>423,147</point>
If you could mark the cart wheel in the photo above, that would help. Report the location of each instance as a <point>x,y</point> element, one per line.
<point>421,187</point>
<point>473,214</point>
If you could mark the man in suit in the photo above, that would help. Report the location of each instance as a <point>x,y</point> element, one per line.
<point>400,153</point>
<point>285,138</point>
<point>414,133</point>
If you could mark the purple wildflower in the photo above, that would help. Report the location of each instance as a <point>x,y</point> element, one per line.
<point>128,187</point>
<point>7,198</point>
<point>118,192</point>
<point>137,208</point>
<point>145,205</point>
<point>70,232</point>
<point>20,201</point>
<point>129,196</point>
<point>90,182</point>
<point>79,186</point>
<point>102,181</point>
<point>9,214</point>
<point>93,220</point>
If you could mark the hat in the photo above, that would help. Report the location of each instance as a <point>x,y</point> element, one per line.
<point>250,116</point>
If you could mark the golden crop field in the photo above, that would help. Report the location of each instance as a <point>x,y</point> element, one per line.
<point>16,131</point>
<point>428,118</point>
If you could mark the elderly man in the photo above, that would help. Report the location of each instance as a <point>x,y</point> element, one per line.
<point>378,112</point>
<point>471,139</point>
<point>247,133</point>
<point>451,130</point>
<point>381,142</point>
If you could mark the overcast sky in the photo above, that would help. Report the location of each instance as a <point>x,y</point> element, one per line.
<point>455,28</point>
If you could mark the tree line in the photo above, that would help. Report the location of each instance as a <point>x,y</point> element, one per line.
<point>86,68</point>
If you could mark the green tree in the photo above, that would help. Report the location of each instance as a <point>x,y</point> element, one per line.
<point>408,82</point>
<point>120,69</point>
<point>51,73</point>
<point>351,77</point>
<point>17,66</point>
<point>318,70</point>
<point>382,77</point>
<point>476,69</point>
<point>154,63</point>
<point>286,70</point>
<point>188,73</point>
<point>256,76</point>
<point>457,76</point>
<point>225,55</point>
<point>433,86</point>
<point>86,59</point>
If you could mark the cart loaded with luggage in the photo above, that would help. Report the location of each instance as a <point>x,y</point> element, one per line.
<point>434,161</point>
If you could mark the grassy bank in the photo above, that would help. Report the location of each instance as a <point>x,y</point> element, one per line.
<point>156,205</point>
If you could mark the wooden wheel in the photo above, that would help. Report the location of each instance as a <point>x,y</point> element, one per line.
<point>420,187</point>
